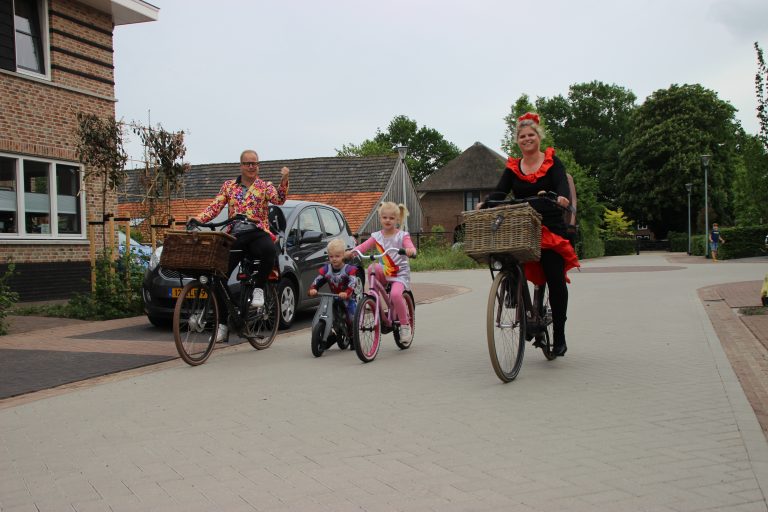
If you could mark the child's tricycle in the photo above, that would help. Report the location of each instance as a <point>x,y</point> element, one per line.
<point>330,324</point>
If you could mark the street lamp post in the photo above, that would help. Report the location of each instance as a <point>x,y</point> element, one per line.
<point>688,187</point>
<point>705,162</point>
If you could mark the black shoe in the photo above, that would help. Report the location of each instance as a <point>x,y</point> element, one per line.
<point>560,351</point>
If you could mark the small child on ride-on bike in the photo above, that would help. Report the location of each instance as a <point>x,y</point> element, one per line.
<point>341,278</point>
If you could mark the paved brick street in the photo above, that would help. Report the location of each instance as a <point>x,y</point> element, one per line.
<point>644,413</point>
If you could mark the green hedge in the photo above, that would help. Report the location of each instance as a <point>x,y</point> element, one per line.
<point>697,245</point>
<point>620,246</point>
<point>678,242</point>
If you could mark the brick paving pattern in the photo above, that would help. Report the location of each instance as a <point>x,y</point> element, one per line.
<point>644,414</point>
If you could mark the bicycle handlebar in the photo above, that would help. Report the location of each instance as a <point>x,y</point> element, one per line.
<point>379,256</point>
<point>193,223</point>
<point>548,196</point>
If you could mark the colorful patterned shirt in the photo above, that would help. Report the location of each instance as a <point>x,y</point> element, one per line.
<point>253,202</point>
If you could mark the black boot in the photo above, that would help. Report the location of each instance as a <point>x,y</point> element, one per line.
<point>559,347</point>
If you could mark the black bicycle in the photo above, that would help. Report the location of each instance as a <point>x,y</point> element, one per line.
<point>196,316</point>
<point>513,316</point>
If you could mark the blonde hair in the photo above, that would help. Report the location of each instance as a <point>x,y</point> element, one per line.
<point>523,123</point>
<point>400,210</point>
<point>337,244</point>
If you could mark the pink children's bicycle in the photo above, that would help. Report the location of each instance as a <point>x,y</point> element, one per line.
<point>376,315</point>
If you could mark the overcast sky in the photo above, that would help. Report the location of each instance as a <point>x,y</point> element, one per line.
<point>297,79</point>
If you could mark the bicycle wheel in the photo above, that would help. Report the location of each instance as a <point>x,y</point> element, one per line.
<point>261,327</point>
<point>410,306</point>
<point>367,330</point>
<point>544,311</point>
<point>195,322</point>
<point>505,324</point>
<point>317,344</point>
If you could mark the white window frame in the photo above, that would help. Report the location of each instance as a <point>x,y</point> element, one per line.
<point>42,9</point>
<point>21,222</point>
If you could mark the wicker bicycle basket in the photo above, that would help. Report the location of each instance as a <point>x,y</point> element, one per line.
<point>197,251</point>
<point>513,229</point>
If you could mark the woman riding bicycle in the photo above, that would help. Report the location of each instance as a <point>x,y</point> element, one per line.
<point>540,171</point>
<point>250,196</point>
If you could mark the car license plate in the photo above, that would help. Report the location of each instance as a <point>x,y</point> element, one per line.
<point>175,292</point>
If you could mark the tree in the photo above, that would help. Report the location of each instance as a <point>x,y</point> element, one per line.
<point>100,149</point>
<point>589,208</point>
<point>616,223</point>
<point>164,169</point>
<point>762,102</point>
<point>669,133</point>
<point>593,123</point>
<point>750,183</point>
<point>428,150</point>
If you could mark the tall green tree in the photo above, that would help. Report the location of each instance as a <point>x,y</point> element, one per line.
<point>750,183</point>
<point>592,122</point>
<point>428,150</point>
<point>761,77</point>
<point>670,132</point>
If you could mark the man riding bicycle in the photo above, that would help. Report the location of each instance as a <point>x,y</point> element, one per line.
<point>250,196</point>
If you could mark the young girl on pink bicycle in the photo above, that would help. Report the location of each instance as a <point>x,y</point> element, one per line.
<point>394,268</point>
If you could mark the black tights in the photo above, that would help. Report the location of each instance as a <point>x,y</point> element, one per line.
<point>554,270</point>
<point>259,246</point>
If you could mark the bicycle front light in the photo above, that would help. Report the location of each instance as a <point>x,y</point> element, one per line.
<point>496,265</point>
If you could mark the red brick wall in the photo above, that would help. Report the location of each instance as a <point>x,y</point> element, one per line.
<point>39,117</point>
<point>444,209</point>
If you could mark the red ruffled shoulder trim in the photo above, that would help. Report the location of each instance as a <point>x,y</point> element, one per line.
<point>513,164</point>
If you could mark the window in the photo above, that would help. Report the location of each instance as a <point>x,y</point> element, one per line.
<point>470,200</point>
<point>7,195</point>
<point>40,199</point>
<point>68,185</point>
<point>330,223</point>
<point>308,221</point>
<point>29,41</point>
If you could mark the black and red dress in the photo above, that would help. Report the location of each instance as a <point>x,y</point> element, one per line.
<point>557,254</point>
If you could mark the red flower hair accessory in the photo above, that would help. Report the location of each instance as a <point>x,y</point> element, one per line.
<point>529,115</point>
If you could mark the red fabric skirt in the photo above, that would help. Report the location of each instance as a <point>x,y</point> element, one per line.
<point>549,240</point>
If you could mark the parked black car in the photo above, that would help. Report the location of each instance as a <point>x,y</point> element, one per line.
<point>304,229</point>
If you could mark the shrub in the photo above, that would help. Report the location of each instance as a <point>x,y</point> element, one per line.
<point>589,244</point>
<point>7,297</point>
<point>678,242</point>
<point>620,246</point>
<point>442,258</point>
<point>117,294</point>
<point>697,245</point>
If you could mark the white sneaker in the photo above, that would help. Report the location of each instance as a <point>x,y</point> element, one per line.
<point>405,333</point>
<point>258,298</point>
<point>222,335</point>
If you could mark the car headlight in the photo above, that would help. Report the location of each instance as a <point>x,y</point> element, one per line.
<point>154,260</point>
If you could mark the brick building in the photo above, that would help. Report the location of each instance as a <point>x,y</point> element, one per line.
<point>354,185</point>
<point>459,186</point>
<point>56,59</point>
